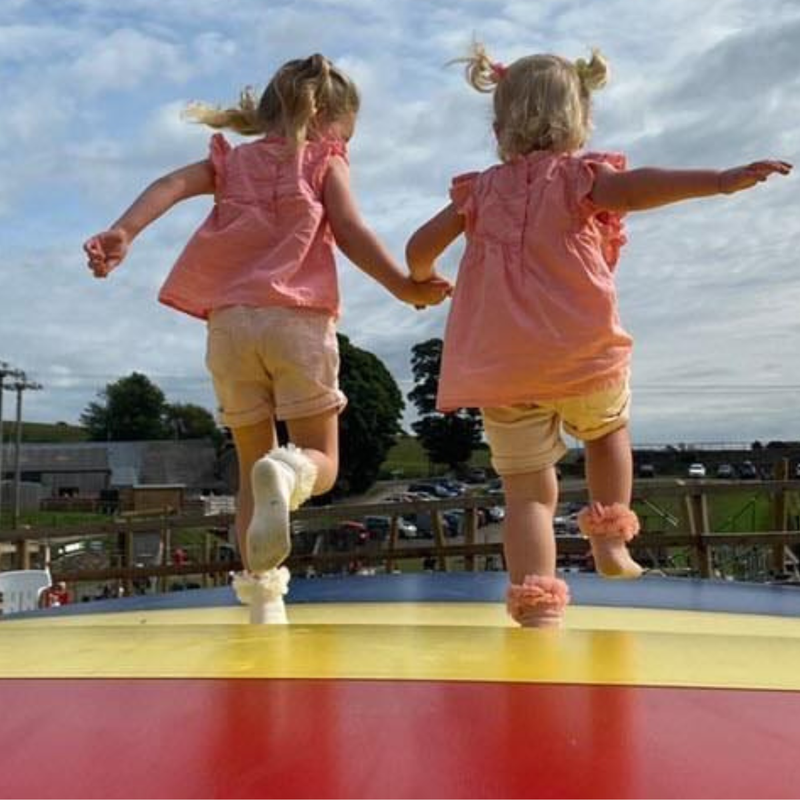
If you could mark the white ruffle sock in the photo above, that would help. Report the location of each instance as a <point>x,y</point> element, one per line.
<point>264,595</point>
<point>282,481</point>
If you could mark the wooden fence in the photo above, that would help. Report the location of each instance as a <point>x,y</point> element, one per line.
<point>675,513</point>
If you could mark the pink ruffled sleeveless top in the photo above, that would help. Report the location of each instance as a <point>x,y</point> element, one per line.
<point>267,241</point>
<point>534,314</point>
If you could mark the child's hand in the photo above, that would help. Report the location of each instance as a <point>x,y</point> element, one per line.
<point>106,250</point>
<point>427,293</point>
<point>739,178</point>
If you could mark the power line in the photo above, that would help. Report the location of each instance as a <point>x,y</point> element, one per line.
<point>719,388</point>
<point>6,371</point>
<point>19,384</point>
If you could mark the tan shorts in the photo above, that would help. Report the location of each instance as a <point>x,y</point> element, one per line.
<point>527,437</point>
<point>280,363</point>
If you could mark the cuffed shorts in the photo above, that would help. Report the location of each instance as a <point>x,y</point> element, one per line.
<point>527,437</point>
<point>279,363</point>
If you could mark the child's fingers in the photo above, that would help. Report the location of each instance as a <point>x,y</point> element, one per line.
<point>92,247</point>
<point>767,168</point>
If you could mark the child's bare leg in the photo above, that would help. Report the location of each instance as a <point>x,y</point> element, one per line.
<point>536,598</point>
<point>609,473</point>
<point>318,437</point>
<point>528,540</point>
<point>609,468</point>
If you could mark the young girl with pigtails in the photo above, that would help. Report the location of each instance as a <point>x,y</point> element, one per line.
<point>534,336</point>
<point>260,271</point>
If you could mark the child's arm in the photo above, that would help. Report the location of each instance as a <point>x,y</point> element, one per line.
<point>640,189</point>
<point>108,248</point>
<point>364,248</point>
<point>429,241</point>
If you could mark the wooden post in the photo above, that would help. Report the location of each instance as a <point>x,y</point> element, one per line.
<point>438,537</point>
<point>470,536</point>
<point>780,517</point>
<point>128,559</point>
<point>394,529</point>
<point>23,554</point>
<point>207,560</point>
<point>166,551</point>
<point>697,513</point>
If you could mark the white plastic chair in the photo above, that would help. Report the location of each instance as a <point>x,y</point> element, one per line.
<point>21,589</point>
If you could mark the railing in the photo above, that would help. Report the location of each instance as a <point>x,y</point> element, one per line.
<point>685,526</point>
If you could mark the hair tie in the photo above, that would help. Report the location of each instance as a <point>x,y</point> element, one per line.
<point>499,70</point>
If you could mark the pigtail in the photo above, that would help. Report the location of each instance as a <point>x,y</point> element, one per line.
<point>242,118</point>
<point>593,74</point>
<point>304,94</point>
<point>480,71</point>
<point>298,87</point>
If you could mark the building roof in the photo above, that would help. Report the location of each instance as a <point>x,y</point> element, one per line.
<point>72,457</point>
<point>192,463</point>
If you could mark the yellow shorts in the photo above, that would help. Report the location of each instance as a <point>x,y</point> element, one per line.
<point>280,363</point>
<point>527,437</point>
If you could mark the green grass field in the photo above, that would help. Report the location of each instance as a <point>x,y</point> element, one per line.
<point>407,459</point>
<point>45,432</point>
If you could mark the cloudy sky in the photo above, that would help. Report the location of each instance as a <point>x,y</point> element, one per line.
<point>92,93</point>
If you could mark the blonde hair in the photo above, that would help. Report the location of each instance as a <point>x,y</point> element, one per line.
<point>541,102</point>
<point>303,96</point>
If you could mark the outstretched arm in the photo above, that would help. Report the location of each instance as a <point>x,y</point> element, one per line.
<point>640,189</point>
<point>364,248</point>
<point>108,248</point>
<point>428,242</point>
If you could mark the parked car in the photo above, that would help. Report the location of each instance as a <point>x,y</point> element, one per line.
<point>432,488</point>
<point>474,475</point>
<point>406,529</point>
<point>697,470</point>
<point>401,497</point>
<point>647,470</point>
<point>567,524</point>
<point>424,525</point>
<point>451,484</point>
<point>454,520</point>
<point>748,471</point>
<point>797,471</point>
<point>379,527</point>
<point>494,513</point>
<point>726,472</point>
<point>495,486</point>
<point>422,496</point>
<point>347,535</point>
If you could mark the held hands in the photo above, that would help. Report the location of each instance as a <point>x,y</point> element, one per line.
<point>429,292</point>
<point>106,250</point>
<point>739,178</point>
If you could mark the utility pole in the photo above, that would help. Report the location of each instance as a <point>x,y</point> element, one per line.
<point>19,385</point>
<point>5,372</point>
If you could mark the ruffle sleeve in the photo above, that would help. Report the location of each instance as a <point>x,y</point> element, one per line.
<point>218,149</point>
<point>320,154</point>
<point>463,196</point>
<point>609,224</point>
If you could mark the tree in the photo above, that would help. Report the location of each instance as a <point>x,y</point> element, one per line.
<point>130,409</point>
<point>371,421</point>
<point>190,421</point>
<point>134,409</point>
<point>447,438</point>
